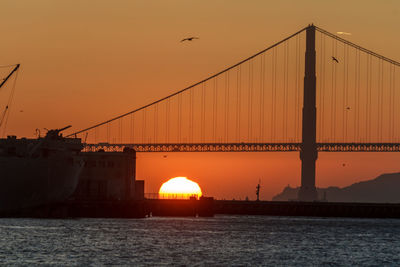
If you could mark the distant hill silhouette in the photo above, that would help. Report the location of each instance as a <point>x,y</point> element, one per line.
<point>383,189</point>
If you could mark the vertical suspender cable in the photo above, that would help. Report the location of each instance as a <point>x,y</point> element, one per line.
<point>262,80</point>
<point>381,95</point>
<point>249,103</point>
<point>296,88</point>
<point>391,104</point>
<point>394,105</point>
<point>370,100</point>
<point>167,119</point>
<point>108,132</point>
<point>323,89</point>
<point>358,80</point>
<point>272,127</point>
<point>354,109</point>
<point>120,130</point>
<point>214,130</point>
<point>133,128</point>
<point>347,94</point>
<point>227,105</point>
<point>238,100</point>
<point>191,119</point>
<point>380,90</point>
<point>367,100</point>
<point>299,80</point>
<point>344,94</point>
<point>179,117</point>
<point>144,126</point>
<point>155,123</point>
<point>367,120</point>
<point>216,109</point>
<point>226,108</point>
<point>284,93</point>
<point>274,67</point>
<point>95,134</point>
<point>203,104</point>
<point>213,112</point>
<point>382,98</point>
<point>335,95</point>
<point>332,90</point>
<point>287,90</point>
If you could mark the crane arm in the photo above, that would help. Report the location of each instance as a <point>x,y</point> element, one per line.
<point>9,75</point>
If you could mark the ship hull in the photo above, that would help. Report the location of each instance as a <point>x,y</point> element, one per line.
<point>34,182</point>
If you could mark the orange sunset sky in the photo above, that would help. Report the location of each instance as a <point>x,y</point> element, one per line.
<point>83,62</point>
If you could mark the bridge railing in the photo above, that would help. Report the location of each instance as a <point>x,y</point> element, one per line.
<point>169,196</point>
<point>245,147</point>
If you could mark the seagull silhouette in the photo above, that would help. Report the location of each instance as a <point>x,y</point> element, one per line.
<point>335,59</point>
<point>189,39</point>
<point>344,33</point>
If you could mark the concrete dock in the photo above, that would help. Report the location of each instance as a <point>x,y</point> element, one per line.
<point>206,207</point>
<point>319,209</point>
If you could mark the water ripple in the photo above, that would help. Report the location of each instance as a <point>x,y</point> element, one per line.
<point>222,241</point>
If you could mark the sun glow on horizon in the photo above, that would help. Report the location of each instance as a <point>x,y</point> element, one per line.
<point>179,187</point>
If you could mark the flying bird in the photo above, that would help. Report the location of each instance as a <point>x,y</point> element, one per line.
<point>344,164</point>
<point>189,39</point>
<point>335,59</point>
<point>348,108</point>
<point>344,33</point>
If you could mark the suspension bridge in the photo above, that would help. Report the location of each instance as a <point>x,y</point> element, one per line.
<point>311,92</point>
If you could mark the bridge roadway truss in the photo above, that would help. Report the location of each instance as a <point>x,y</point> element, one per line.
<point>245,147</point>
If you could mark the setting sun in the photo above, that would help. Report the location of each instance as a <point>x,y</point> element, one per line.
<point>180,187</point>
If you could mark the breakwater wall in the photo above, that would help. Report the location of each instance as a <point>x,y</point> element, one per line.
<point>119,209</point>
<point>320,209</point>
<point>83,209</point>
<point>205,207</point>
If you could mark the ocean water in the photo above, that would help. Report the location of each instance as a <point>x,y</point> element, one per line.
<point>218,241</point>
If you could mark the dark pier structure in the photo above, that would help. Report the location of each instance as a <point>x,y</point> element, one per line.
<point>315,209</point>
<point>203,207</point>
<point>108,189</point>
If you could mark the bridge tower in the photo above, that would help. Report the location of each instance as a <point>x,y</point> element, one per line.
<point>308,150</point>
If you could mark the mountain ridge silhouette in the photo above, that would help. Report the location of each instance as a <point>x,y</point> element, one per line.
<point>383,189</point>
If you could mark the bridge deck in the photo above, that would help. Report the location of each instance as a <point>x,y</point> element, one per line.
<point>246,147</point>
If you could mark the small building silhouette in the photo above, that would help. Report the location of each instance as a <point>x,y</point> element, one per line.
<point>109,176</point>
